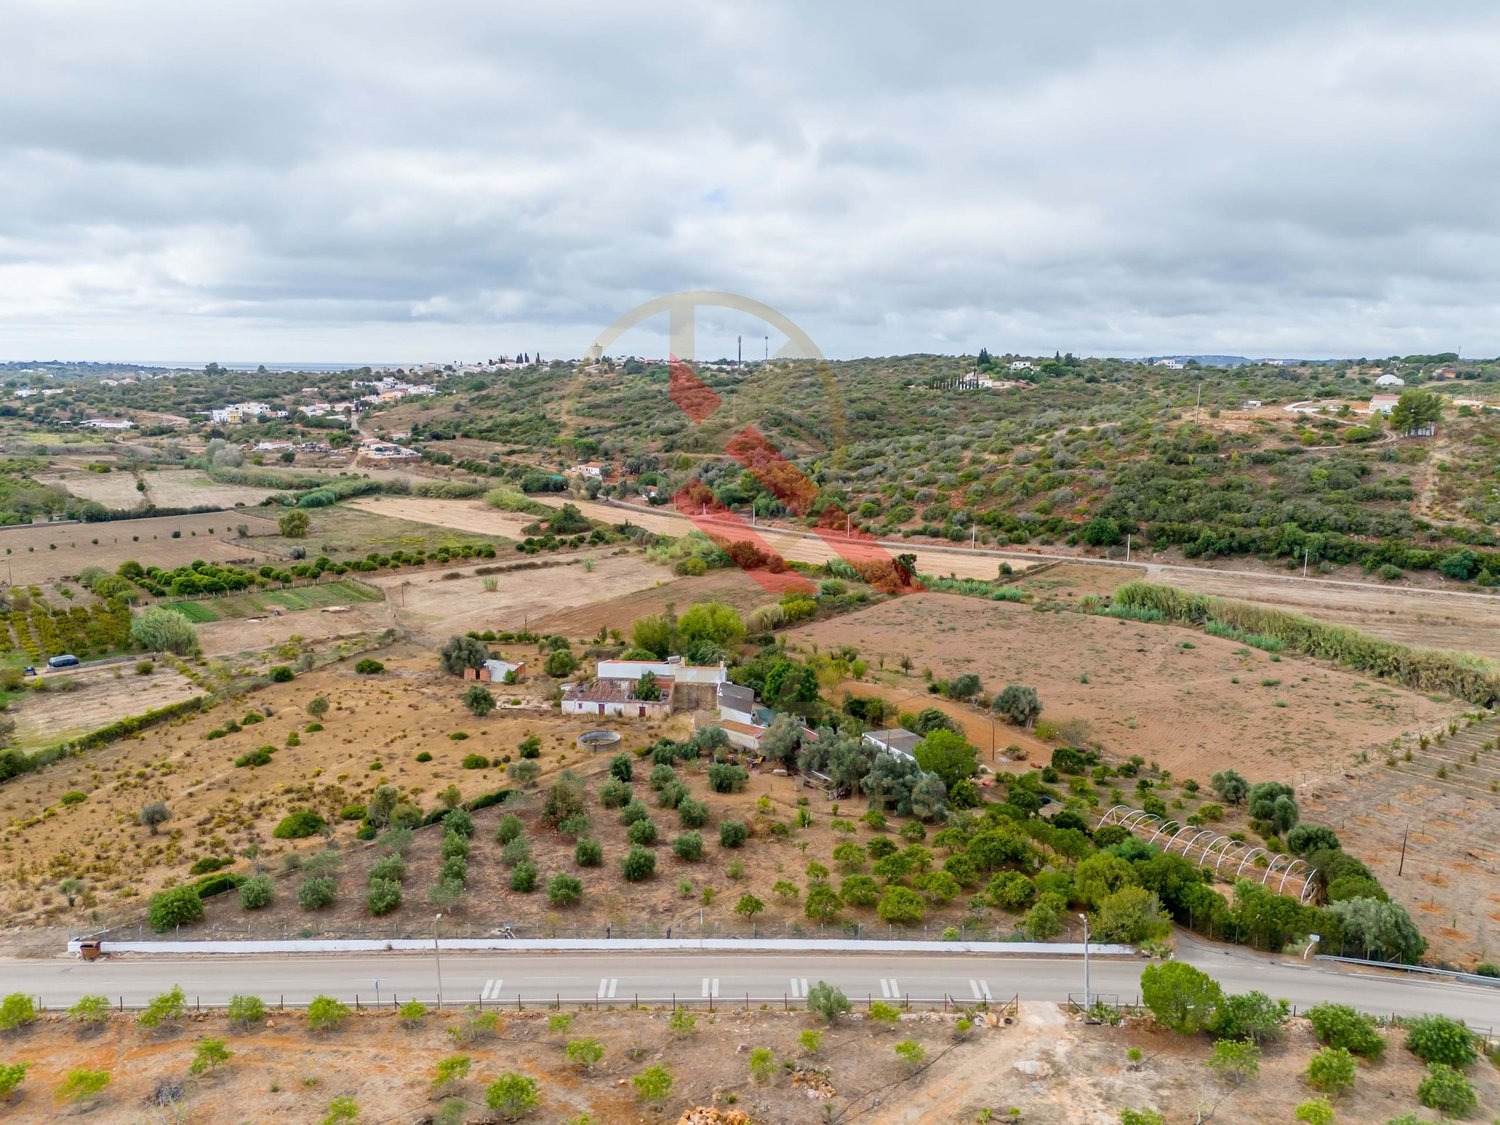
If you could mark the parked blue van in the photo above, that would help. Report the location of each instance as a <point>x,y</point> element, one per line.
<point>66,660</point>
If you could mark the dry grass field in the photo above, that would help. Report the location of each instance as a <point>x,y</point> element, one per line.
<point>102,695</point>
<point>41,553</point>
<point>166,488</point>
<point>1041,1068</point>
<point>1191,702</point>
<point>437,607</point>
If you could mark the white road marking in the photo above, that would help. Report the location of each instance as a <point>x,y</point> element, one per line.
<point>491,990</point>
<point>889,988</point>
<point>981,989</point>
<point>799,988</point>
<point>607,986</point>
<point>711,987</point>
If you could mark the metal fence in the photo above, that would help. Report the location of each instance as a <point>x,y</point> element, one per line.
<point>1004,1010</point>
<point>374,931</point>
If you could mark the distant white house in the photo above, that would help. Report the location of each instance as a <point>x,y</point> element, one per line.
<point>1383,404</point>
<point>495,671</point>
<point>1390,381</point>
<point>108,423</point>
<point>1250,404</point>
<point>898,742</point>
<point>1169,364</point>
<point>1020,365</point>
<point>590,470</point>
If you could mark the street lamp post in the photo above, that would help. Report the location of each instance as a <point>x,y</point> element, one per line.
<point>1086,1002</point>
<point>438,959</point>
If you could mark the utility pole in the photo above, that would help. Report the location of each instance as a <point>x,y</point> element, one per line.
<point>1127,546</point>
<point>1086,1004</point>
<point>438,959</point>
<point>1198,406</point>
<point>1306,557</point>
<point>1404,834</point>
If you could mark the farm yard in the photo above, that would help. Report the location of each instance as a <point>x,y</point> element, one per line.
<point>1188,701</point>
<point>388,721</point>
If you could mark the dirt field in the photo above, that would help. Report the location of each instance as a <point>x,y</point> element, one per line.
<point>33,561</point>
<point>732,587</point>
<point>251,635</point>
<point>435,607</point>
<point>1041,1068</point>
<point>460,515</point>
<point>346,530</point>
<point>103,695</point>
<point>1167,694</point>
<point>166,488</point>
<point>1442,810</point>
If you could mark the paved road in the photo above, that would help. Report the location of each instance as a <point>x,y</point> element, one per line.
<point>466,978</point>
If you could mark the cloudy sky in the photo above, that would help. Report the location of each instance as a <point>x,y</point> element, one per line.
<point>378,181</point>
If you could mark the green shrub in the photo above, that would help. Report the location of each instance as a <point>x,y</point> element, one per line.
<point>81,1085</point>
<point>368,667</point>
<point>11,1076</point>
<point>692,814</point>
<point>246,1011</point>
<point>256,892</point>
<point>280,674</point>
<point>653,1084</point>
<point>90,1010</point>
<point>299,824</point>
<point>508,828</point>
<point>523,877</point>
<point>207,1054</point>
<point>733,834</point>
<point>1447,1091</point>
<point>317,892</point>
<point>827,1002</point>
<point>638,864</point>
<point>326,1014</point>
<point>383,896</point>
<point>564,890</point>
<point>588,853</point>
<point>170,1005</point>
<point>1331,1070</point>
<point>1339,1025</point>
<point>261,756</point>
<point>688,846</point>
<point>16,1010</point>
<point>642,832</point>
<point>584,1053</point>
<point>1438,1039</point>
<point>475,762</point>
<point>512,1094</point>
<point>180,906</point>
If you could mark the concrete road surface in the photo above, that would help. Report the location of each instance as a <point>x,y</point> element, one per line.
<point>658,976</point>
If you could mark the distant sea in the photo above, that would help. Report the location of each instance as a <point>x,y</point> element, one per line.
<point>280,366</point>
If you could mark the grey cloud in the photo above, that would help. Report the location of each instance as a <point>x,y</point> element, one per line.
<point>302,181</point>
